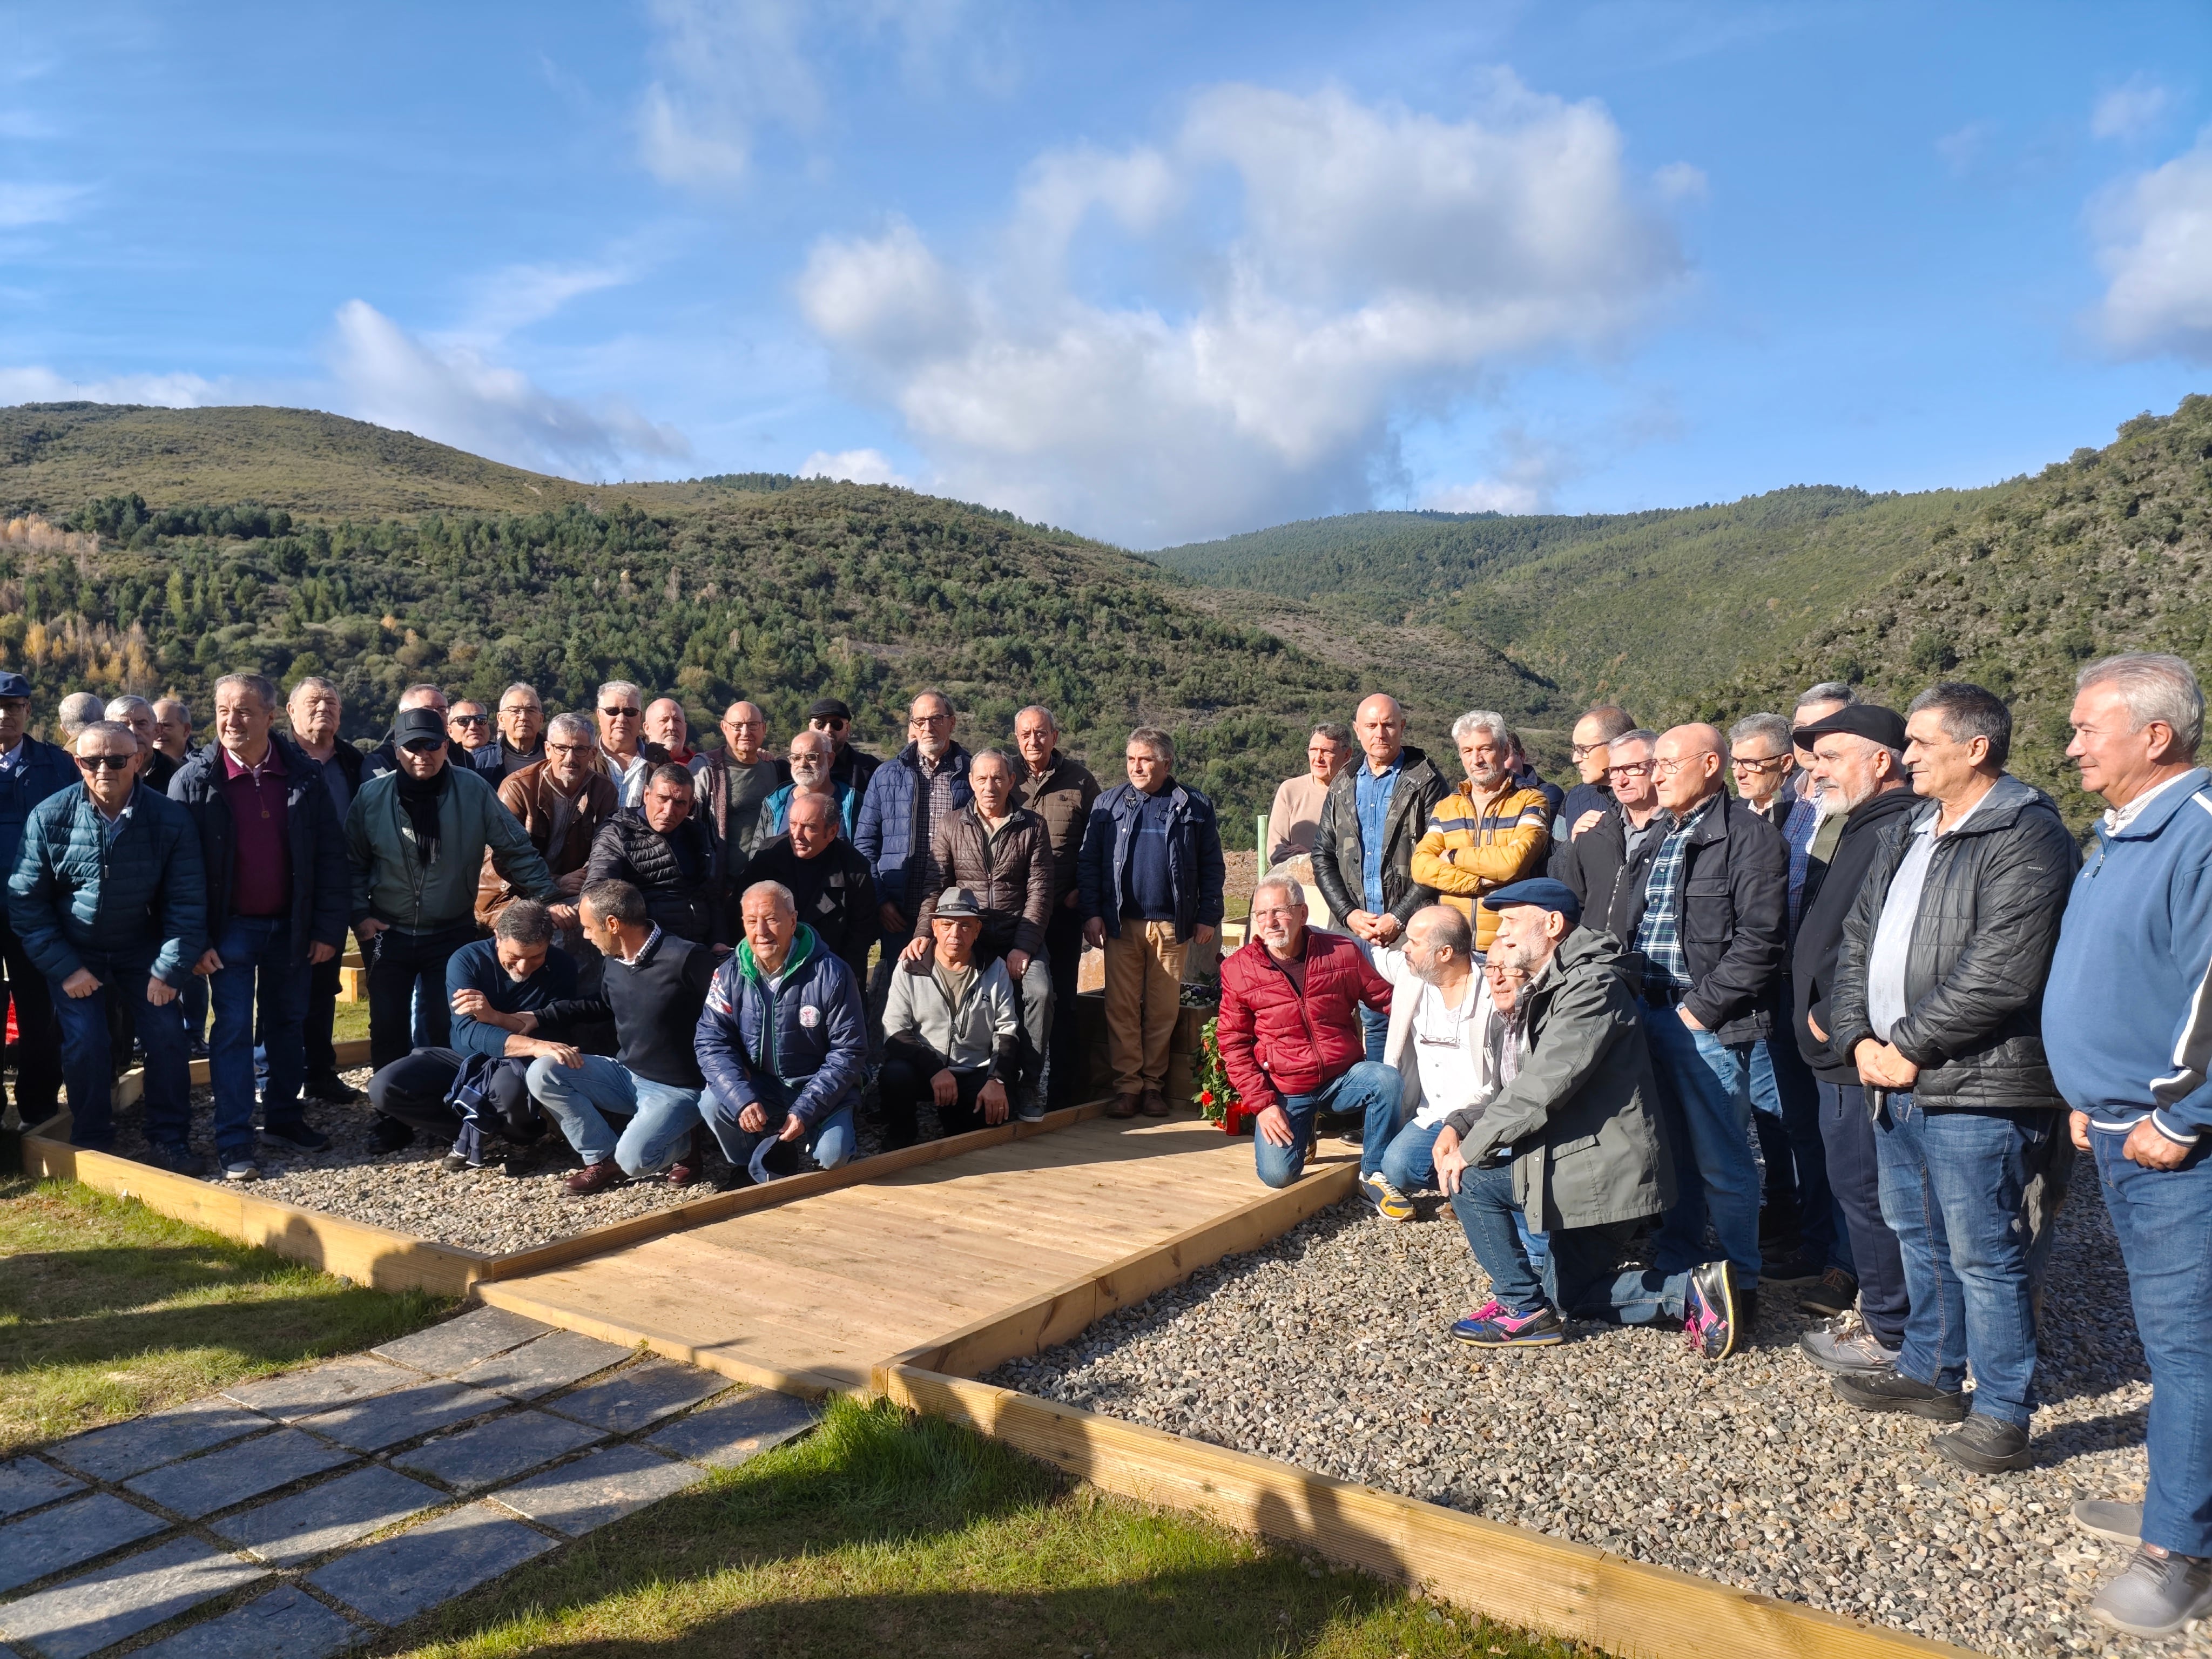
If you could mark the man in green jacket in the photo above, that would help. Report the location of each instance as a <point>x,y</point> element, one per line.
<point>417,838</point>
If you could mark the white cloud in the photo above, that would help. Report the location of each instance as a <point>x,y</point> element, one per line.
<point>519,295</point>
<point>1485,495</point>
<point>2129,110</point>
<point>1678,181</point>
<point>36,385</point>
<point>867,466</point>
<point>22,205</point>
<point>2154,244</point>
<point>1378,257</point>
<point>452,394</point>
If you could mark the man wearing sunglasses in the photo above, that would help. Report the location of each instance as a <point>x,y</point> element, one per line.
<point>30,772</point>
<point>109,899</point>
<point>475,742</point>
<point>624,750</point>
<point>849,766</point>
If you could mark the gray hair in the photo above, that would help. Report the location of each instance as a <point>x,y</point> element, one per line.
<point>177,703</point>
<point>1642,735</point>
<point>313,683</point>
<point>1152,737</point>
<point>1041,712</point>
<point>259,684</point>
<point>1482,719</point>
<point>1013,767</point>
<point>120,709</point>
<point>931,691</point>
<point>525,921</point>
<point>1772,727</point>
<point>424,692</point>
<point>673,773</point>
<point>1970,711</point>
<point>1335,731</point>
<point>2154,686</point>
<point>522,685</point>
<point>781,893</point>
<point>1827,691</point>
<point>636,695</point>
<point>1452,929</point>
<point>1289,889</point>
<point>574,727</point>
<point>79,710</point>
<point>104,729</point>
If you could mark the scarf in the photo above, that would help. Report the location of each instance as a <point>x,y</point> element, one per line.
<point>419,799</point>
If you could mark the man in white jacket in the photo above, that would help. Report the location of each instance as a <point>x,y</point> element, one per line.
<point>952,1033</point>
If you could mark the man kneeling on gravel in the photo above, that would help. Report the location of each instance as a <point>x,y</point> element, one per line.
<point>1573,1143</point>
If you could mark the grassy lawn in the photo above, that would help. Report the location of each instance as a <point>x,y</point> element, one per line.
<point>107,1309</point>
<point>886,1534</point>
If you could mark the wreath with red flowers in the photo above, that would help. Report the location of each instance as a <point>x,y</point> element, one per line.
<point>1218,1100</point>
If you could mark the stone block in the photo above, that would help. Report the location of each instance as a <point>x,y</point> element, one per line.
<point>201,1485</point>
<point>550,1363</point>
<point>146,1442</point>
<point>405,1413</point>
<point>296,1394</point>
<point>604,1487</point>
<point>394,1579</point>
<point>460,1343</point>
<point>83,1615</point>
<point>729,1432</point>
<point>26,1483</point>
<point>638,1396</point>
<point>330,1517</point>
<point>285,1624</point>
<point>39,1544</point>
<point>497,1450</point>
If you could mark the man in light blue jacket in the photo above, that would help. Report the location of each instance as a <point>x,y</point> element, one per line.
<point>2127,1022</point>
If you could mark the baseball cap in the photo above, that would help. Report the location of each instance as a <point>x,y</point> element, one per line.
<point>1540,890</point>
<point>957,901</point>
<point>830,708</point>
<point>1860,719</point>
<point>415,727</point>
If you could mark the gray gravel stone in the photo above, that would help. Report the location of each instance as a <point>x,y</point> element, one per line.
<point>403,1414</point>
<point>86,1614</point>
<point>26,1483</point>
<point>639,1395</point>
<point>328,1516</point>
<point>295,1395</point>
<point>551,1362</point>
<point>730,1431</point>
<point>201,1485</point>
<point>57,1540</point>
<point>496,1451</point>
<point>285,1624</point>
<point>579,1497</point>
<point>460,1343</point>
<point>394,1579</point>
<point>146,1442</point>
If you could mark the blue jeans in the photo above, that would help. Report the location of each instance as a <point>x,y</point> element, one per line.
<point>1951,1188</point>
<point>1581,1280</point>
<point>829,1142</point>
<point>1409,1162</point>
<point>1370,1088</point>
<point>1855,1178</point>
<point>1374,1030</point>
<point>661,1114</point>
<point>1705,1097</point>
<point>258,971</point>
<point>1783,1089</point>
<point>2164,1220</point>
<point>88,1060</point>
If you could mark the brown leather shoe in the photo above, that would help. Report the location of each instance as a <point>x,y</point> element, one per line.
<point>1123,1106</point>
<point>596,1177</point>
<point>686,1169</point>
<point>1156,1103</point>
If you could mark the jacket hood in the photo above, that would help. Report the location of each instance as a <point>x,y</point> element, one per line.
<point>1880,809</point>
<point>1591,947</point>
<point>803,944</point>
<point>1999,810</point>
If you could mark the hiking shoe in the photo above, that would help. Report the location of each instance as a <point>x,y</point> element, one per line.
<point>1837,1293</point>
<point>1156,1103</point>
<point>177,1159</point>
<point>1541,1327</point>
<point>2158,1594</point>
<point>331,1090</point>
<point>1845,1347</point>
<point>390,1135</point>
<point>1984,1445</point>
<point>298,1136</point>
<point>596,1177</point>
<point>1794,1268</point>
<point>1711,1325</point>
<point>2114,1522</point>
<point>1124,1106</point>
<point>1389,1203</point>
<point>1894,1391</point>
<point>241,1169</point>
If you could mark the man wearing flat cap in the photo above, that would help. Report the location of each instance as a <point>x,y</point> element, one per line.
<point>952,1031</point>
<point>1573,1142</point>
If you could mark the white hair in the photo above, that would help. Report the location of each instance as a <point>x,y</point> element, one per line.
<point>1482,719</point>
<point>2153,686</point>
<point>1291,892</point>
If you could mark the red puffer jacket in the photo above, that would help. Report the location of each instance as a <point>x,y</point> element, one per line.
<point>1275,1043</point>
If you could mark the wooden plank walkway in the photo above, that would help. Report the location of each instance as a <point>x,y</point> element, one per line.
<point>1016,1243</point>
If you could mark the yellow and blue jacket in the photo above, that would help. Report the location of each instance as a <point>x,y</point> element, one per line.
<point>1464,854</point>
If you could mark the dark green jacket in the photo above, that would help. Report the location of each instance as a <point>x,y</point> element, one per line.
<point>391,882</point>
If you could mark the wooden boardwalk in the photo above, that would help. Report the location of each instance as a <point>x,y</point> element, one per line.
<point>959,1263</point>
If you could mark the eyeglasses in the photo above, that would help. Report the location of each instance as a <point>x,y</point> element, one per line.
<point>622,714</point>
<point>103,762</point>
<point>1761,768</point>
<point>929,719</point>
<point>468,720</point>
<point>572,748</point>
<point>1667,768</point>
<point>1634,770</point>
<point>1583,750</point>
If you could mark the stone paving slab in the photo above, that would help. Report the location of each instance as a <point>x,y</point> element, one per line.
<point>201,1485</point>
<point>550,1363</point>
<point>729,1432</point>
<point>26,1483</point>
<point>285,1624</point>
<point>330,1517</point>
<point>640,1396</point>
<point>296,1394</point>
<point>79,1618</point>
<point>403,1414</point>
<point>602,1487</point>
<point>393,1580</point>
<point>63,1536</point>
<point>496,1451</point>
<point>146,1442</point>
<point>460,1343</point>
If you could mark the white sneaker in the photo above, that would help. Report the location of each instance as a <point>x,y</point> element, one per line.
<point>243,1169</point>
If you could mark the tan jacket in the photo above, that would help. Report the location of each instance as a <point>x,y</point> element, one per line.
<point>1012,874</point>
<point>560,829</point>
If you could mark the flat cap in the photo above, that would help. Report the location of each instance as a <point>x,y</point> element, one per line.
<point>1540,890</point>
<point>1860,719</point>
<point>830,708</point>
<point>955,902</point>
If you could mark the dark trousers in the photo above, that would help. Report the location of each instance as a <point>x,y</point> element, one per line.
<point>413,1089</point>
<point>407,1006</point>
<point>322,1019</point>
<point>88,1057</point>
<point>1800,1210</point>
<point>1855,1179</point>
<point>1063,951</point>
<point>904,1085</point>
<point>38,1044</point>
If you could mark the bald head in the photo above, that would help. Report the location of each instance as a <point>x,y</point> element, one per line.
<point>745,729</point>
<point>1687,765</point>
<point>1380,726</point>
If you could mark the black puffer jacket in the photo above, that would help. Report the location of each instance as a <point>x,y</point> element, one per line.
<point>1336,856</point>
<point>1981,950</point>
<point>693,906</point>
<point>1830,891</point>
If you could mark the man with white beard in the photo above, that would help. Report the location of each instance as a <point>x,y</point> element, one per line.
<point>1857,773</point>
<point>811,759</point>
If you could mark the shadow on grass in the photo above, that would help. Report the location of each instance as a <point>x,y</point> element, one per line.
<point>884,1534</point>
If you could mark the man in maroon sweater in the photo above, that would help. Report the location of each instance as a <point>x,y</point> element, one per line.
<point>1290,1037</point>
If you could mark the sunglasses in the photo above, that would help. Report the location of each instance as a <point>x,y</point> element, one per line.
<point>622,714</point>
<point>103,762</point>
<point>822,725</point>
<point>468,720</point>
<point>422,745</point>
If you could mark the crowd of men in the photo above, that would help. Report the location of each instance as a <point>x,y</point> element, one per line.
<point>1653,1041</point>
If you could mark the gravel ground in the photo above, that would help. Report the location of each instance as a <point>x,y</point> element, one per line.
<point>1329,1349</point>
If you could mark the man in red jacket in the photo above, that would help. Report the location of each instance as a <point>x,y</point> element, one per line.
<point>1290,1037</point>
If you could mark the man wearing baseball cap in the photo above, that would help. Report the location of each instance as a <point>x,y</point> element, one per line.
<point>1574,1143</point>
<point>849,766</point>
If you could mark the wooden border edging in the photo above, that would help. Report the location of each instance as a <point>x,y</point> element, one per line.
<point>1629,1610</point>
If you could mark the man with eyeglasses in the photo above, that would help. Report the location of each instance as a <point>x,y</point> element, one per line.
<point>907,796</point>
<point>849,766</point>
<point>735,778</point>
<point>1590,797</point>
<point>627,754</point>
<point>417,838</point>
<point>30,772</point>
<point>468,723</point>
<point>1624,832</point>
<point>522,729</point>
<point>561,801</point>
<point>109,899</point>
<point>811,769</point>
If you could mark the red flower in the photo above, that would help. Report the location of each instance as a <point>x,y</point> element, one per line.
<point>1206,1097</point>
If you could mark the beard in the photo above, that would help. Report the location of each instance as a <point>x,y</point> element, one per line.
<point>1522,956</point>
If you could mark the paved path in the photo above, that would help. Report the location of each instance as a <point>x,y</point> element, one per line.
<point>301,1515</point>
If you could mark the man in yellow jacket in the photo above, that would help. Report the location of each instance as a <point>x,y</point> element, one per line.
<point>1489,832</point>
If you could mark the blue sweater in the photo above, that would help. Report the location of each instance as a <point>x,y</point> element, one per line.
<point>476,968</point>
<point>2127,1012</point>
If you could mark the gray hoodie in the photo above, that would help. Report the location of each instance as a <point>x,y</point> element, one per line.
<point>982,1029</point>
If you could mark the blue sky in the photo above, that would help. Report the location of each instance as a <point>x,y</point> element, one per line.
<point>1155,272</point>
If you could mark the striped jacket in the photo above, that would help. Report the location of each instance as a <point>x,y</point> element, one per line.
<point>1464,854</point>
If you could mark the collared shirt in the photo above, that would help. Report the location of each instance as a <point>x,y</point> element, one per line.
<point>936,796</point>
<point>113,827</point>
<point>644,950</point>
<point>1659,935</point>
<point>628,775</point>
<point>1892,933</point>
<point>2117,818</point>
<point>1797,826</point>
<point>1370,796</point>
<point>13,758</point>
<point>261,851</point>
